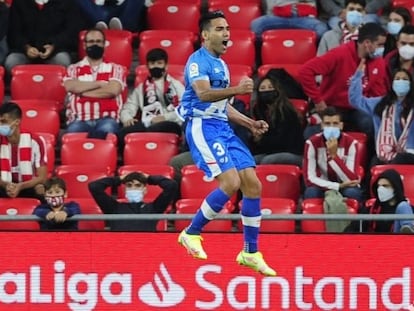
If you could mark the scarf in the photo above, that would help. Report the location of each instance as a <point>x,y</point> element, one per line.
<point>346,34</point>
<point>152,104</point>
<point>25,167</point>
<point>387,145</point>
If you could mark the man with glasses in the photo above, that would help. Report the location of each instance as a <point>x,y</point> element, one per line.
<point>95,90</point>
<point>213,144</point>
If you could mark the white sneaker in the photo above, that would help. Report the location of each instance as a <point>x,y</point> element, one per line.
<point>407,229</point>
<point>101,25</point>
<point>115,23</point>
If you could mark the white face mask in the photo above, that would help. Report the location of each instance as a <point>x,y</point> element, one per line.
<point>406,51</point>
<point>385,194</point>
<point>134,195</point>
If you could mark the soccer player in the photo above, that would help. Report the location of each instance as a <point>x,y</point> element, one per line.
<point>214,146</point>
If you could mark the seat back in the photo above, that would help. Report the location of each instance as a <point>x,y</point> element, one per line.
<point>100,152</point>
<point>50,143</point>
<point>293,46</point>
<point>279,181</point>
<point>315,206</point>
<point>88,206</point>
<point>18,206</point>
<point>239,15</point>
<point>241,48</point>
<point>150,148</point>
<point>41,120</point>
<point>38,82</point>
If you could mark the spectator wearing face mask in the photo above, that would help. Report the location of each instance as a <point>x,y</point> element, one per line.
<point>283,142</point>
<point>330,160</point>
<point>392,116</point>
<point>151,106</point>
<point>336,67</point>
<point>55,212</point>
<point>397,19</point>
<point>403,55</point>
<point>135,189</point>
<point>390,198</point>
<point>95,90</point>
<point>346,30</point>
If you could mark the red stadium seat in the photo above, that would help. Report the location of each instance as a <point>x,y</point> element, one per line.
<point>288,46</point>
<point>292,69</point>
<point>301,107</point>
<point>77,178</point>
<point>38,82</point>
<point>173,15</point>
<point>156,169</point>
<point>88,206</point>
<point>1,83</point>
<point>89,151</point>
<point>195,184</point>
<point>239,14</point>
<point>179,44</point>
<point>315,206</point>
<point>241,48</point>
<point>406,171</point>
<point>41,120</point>
<point>50,143</point>
<point>275,206</point>
<point>18,206</point>
<point>174,70</point>
<point>38,104</point>
<point>362,139</point>
<point>191,206</point>
<point>150,148</point>
<point>238,72</point>
<point>118,46</point>
<point>279,181</point>
<point>67,137</point>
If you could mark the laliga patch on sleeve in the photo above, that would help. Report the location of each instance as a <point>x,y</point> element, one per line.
<point>193,70</point>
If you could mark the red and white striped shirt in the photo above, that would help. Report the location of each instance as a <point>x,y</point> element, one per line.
<point>320,170</point>
<point>85,108</point>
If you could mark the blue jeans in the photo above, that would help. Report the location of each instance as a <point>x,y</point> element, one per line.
<point>13,59</point>
<point>100,126</point>
<point>279,158</point>
<point>128,12</point>
<point>403,209</point>
<point>269,22</point>
<point>348,192</point>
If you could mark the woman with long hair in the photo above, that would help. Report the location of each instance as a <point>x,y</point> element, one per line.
<point>392,116</point>
<point>283,142</point>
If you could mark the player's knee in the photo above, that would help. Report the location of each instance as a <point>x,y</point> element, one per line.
<point>230,186</point>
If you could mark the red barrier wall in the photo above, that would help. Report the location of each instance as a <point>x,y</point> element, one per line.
<point>136,271</point>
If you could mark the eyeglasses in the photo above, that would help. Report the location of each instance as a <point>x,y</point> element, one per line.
<point>99,41</point>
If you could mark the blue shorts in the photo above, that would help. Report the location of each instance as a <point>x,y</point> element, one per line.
<point>215,148</point>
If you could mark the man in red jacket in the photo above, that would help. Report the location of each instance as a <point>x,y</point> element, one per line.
<point>336,68</point>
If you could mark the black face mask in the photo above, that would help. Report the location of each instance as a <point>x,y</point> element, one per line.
<point>156,72</point>
<point>95,51</point>
<point>267,97</point>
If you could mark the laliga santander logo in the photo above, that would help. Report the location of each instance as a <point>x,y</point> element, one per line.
<point>83,289</point>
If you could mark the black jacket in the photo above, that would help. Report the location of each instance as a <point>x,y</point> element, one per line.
<point>110,205</point>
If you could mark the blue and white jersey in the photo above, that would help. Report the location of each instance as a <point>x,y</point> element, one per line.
<point>203,66</point>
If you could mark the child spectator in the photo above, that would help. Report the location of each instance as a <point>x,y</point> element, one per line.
<point>55,212</point>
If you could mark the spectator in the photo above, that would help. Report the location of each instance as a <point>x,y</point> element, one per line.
<point>346,30</point>
<point>4,21</point>
<point>392,116</point>
<point>297,14</point>
<point>390,199</point>
<point>331,160</point>
<point>55,212</point>
<point>23,160</point>
<point>403,55</point>
<point>113,14</point>
<point>283,142</point>
<point>336,10</point>
<point>135,190</point>
<point>153,100</point>
<point>42,31</point>
<point>95,88</point>
<point>397,19</point>
<point>336,67</point>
